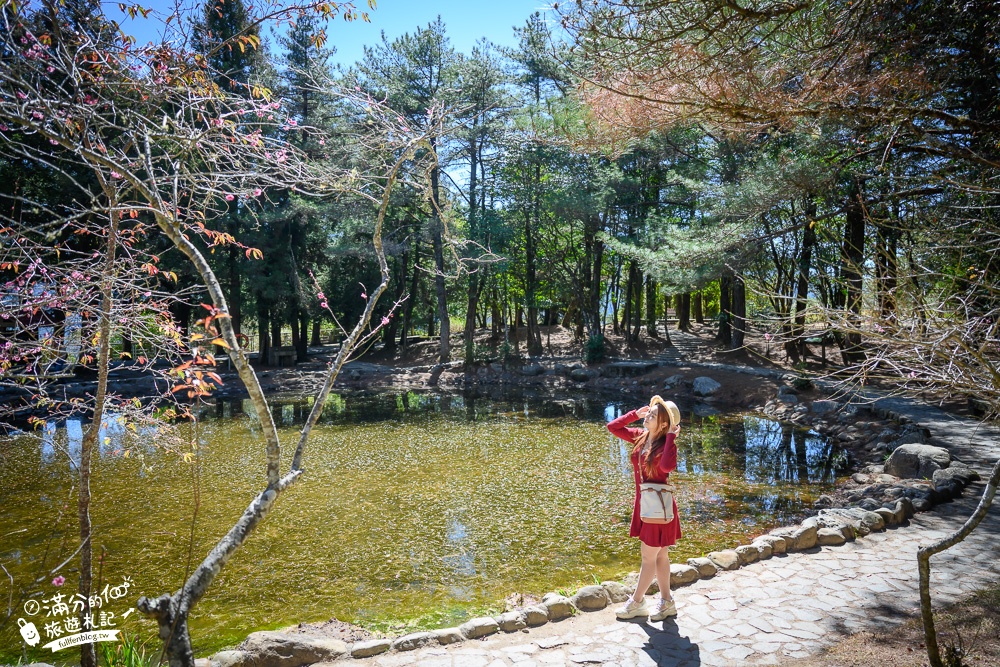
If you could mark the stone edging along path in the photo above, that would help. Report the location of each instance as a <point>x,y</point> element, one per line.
<point>876,500</point>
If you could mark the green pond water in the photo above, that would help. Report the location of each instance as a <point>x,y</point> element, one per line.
<point>415,511</point>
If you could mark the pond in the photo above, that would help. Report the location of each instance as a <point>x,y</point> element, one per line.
<point>416,510</point>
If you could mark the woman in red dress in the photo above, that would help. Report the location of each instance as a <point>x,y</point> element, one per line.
<point>655,450</point>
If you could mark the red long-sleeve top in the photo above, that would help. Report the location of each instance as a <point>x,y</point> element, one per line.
<point>664,463</point>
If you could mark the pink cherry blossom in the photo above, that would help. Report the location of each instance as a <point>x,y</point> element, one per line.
<point>364,295</point>
<point>59,581</point>
<point>230,197</point>
<point>257,192</point>
<point>385,321</point>
<point>115,174</point>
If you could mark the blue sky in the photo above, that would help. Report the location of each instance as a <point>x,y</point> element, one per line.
<point>465,22</point>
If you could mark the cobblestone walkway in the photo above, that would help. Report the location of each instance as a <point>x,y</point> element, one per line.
<point>791,605</point>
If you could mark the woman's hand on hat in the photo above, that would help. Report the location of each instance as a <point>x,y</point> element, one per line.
<point>676,430</point>
<point>642,412</point>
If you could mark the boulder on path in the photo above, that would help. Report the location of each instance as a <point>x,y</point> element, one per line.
<point>479,627</point>
<point>367,649</point>
<point>914,460</point>
<point>706,568</point>
<point>727,559</point>
<point>831,536</point>
<point>277,649</point>
<point>682,575</point>
<point>536,615</point>
<point>591,598</point>
<point>513,621</point>
<point>230,659</point>
<point>616,591</point>
<point>705,386</point>
<point>558,606</point>
<point>413,641</point>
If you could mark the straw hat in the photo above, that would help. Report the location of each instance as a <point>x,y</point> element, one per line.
<point>673,413</point>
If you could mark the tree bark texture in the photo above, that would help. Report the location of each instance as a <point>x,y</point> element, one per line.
<point>651,307</point>
<point>437,236</point>
<point>725,334</point>
<point>739,310</point>
<point>924,563</point>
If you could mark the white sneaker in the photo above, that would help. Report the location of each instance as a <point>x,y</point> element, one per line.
<point>662,609</point>
<point>633,609</point>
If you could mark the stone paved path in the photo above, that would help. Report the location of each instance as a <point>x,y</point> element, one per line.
<point>788,606</point>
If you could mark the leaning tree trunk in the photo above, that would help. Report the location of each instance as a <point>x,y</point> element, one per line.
<point>88,655</point>
<point>924,563</point>
<point>171,611</point>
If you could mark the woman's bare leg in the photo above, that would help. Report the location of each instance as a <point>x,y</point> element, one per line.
<point>647,571</point>
<point>663,572</point>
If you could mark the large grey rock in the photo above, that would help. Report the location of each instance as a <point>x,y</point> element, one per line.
<point>823,406</point>
<point>779,544</point>
<point>748,554</point>
<point>479,627</point>
<point>831,536</point>
<point>582,374</point>
<point>727,559</point>
<point>863,521</point>
<point>591,598</point>
<point>413,641</point>
<point>230,659</point>
<point>558,606</point>
<point>367,649</point>
<point>512,621</point>
<point>616,591</point>
<point>673,381</point>
<point>788,399</point>
<point>682,575</point>
<point>705,386</point>
<point>536,615</point>
<point>532,370</point>
<point>913,460</point>
<point>705,566</point>
<point>277,649</point>
<point>803,538</point>
<point>954,473</point>
<point>888,516</point>
<point>632,578</point>
<point>764,549</point>
<point>446,636</point>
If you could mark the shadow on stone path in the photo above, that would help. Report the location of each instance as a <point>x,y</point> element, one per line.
<point>789,606</point>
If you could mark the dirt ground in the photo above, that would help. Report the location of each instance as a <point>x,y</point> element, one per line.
<point>968,634</point>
